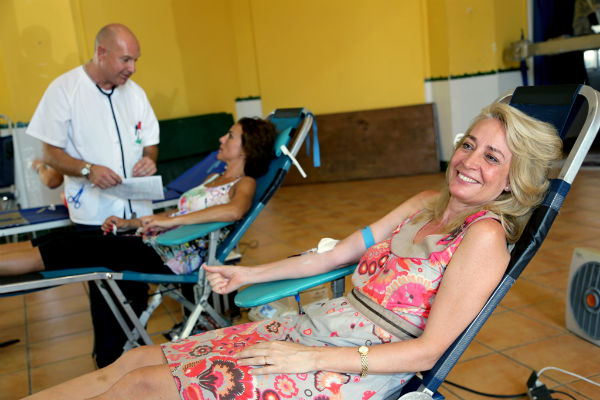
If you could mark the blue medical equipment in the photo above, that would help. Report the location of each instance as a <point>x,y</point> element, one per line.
<point>573,110</point>
<point>75,200</point>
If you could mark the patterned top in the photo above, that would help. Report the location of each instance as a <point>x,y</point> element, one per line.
<point>403,276</point>
<point>202,197</point>
<point>186,258</point>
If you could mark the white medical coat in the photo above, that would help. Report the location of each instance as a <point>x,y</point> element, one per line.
<point>75,115</point>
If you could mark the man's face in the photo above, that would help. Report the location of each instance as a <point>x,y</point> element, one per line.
<point>118,58</point>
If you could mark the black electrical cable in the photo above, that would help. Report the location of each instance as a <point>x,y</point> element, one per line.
<point>561,392</point>
<point>497,396</point>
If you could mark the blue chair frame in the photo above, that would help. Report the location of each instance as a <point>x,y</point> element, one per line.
<point>573,110</point>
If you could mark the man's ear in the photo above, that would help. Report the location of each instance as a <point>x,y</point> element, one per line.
<point>101,51</point>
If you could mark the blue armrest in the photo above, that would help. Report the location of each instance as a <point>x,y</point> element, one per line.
<point>186,233</point>
<point>263,293</point>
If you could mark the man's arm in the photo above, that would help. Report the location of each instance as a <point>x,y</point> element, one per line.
<point>57,158</point>
<point>147,165</point>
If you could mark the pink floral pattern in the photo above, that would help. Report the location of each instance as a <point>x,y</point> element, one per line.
<point>408,285</point>
<point>204,367</point>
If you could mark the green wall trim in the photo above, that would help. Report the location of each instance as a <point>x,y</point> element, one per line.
<point>480,73</point>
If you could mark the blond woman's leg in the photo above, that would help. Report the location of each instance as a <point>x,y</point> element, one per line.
<point>100,381</point>
<point>19,258</point>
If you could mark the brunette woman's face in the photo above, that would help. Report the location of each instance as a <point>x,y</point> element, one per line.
<point>231,144</point>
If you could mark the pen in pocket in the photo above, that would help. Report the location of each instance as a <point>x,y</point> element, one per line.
<point>138,131</point>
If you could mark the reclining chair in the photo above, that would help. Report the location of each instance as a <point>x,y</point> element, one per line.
<point>573,110</point>
<point>290,123</point>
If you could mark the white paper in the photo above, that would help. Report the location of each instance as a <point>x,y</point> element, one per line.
<point>141,188</point>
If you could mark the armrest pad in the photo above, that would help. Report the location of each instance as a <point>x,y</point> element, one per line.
<point>263,293</point>
<point>185,233</point>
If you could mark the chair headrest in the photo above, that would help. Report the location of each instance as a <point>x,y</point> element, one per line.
<point>283,138</point>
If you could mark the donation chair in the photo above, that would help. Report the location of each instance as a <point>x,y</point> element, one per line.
<point>290,123</point>
<point>573,110</point>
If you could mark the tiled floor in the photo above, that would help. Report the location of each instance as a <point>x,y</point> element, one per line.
<point>526,332</point>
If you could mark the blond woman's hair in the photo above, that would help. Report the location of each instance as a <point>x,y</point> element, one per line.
<point>534,146</point>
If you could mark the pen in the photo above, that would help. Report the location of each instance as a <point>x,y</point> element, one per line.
<point>138,129</point>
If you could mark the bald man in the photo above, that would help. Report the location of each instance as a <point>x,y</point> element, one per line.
<point>98,128</point>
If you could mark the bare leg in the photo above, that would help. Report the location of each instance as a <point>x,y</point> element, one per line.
<point>20,258</point>
<point>98,382</point>
<point>144,383</point>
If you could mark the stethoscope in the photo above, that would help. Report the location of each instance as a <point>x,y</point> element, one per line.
<point>108,95</point>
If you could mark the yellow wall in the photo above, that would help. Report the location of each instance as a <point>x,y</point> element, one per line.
<point>437,26</point>
<point>37,42</point>
<point>339,55</point>
<point>468,36</point>
<point>199,55</point>
<point>188,64</point>
<point>511,20</point>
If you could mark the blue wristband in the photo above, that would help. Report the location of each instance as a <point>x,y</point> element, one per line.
<point>367,236</point>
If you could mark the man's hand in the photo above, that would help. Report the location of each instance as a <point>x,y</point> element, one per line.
<point>145,167</point>
<point>103,177</point>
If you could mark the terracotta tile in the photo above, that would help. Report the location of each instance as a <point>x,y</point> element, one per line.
<point>12,318</point>
<point>14,332</point>
<point>449,392</point>
<point>557,279</point>
<point>560,256</point>
<point>493,373</point>
<point>566,351</point>
<point>57,308</point>
<point>52,374</point>
<point>475,349</point>
<point>525,293</point>
<point>14,385</point>
<point>545,262</point>
<point>581,387</point>
<point>593,243</point>
<point>60,326</point>
<point>56,293</point>
<point>254,236</point>
<point>11,303</point>
<point>572,233</point>
<point>272,252</point>
<point>161,322</point>
<point>14,357</point>
<point>510,329</point>
<point>158,338</point>
<point>170,304</point>
<point>61,348</point>
<point>580,216</point>
<point>551,312</point>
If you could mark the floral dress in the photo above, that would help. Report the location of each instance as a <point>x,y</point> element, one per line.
<point>187,257</point>
<point>204,368</point>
